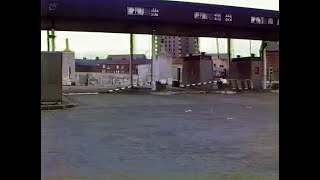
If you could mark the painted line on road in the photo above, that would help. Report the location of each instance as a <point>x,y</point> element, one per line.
<point>70,94</point>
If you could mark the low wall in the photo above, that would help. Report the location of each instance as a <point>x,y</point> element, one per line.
<point>105,79</point>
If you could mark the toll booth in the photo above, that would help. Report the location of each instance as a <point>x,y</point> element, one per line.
<point>51,77</point>
<point>247,68</point>
<point>196,69</point>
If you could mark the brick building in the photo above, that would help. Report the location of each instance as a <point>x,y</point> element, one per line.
<point>87,65</point>
<point>119,66</point>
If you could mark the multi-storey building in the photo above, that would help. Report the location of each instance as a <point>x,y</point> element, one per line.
<point>177,46</point>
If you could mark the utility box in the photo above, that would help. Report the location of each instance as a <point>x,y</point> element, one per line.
<point>51,76</point>
<point>196,69</point>
<point>247,68</point>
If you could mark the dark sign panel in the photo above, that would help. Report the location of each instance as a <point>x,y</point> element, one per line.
<point>166,16</point>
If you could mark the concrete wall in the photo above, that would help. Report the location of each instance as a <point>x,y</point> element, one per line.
<point>191,72</point>
<point>68,68</point>
<point>144,72</point>
<point>162,67</point>
<point>219,62</point>
<point>240,70</point>
<point>195,71</point>
<point>51,81</point>
<point>246,70</point>
<point>257,78</point>
<point>206,73</point>
<point>107,79</point>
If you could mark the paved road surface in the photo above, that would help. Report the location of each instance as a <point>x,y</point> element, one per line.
<point>123,135</point>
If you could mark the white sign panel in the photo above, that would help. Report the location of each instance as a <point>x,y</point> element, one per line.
<point>228,17</point>
<point>256,20</point>
<point>154,12</point>
<point>135,11</point>
<point>217,17</point>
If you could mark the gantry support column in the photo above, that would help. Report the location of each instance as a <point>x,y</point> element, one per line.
<point>263,55</point>
<point>51,40</point>
<point>153,51</point>
<point>131,59</point>
<point>229,55</point>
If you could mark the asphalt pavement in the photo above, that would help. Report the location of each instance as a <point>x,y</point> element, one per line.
<point>143,136</point>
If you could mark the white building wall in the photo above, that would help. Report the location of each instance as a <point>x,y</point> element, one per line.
<point>68,68</point>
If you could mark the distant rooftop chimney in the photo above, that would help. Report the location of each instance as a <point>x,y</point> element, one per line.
<point>67,46</point>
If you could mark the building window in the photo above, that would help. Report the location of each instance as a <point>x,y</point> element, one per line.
<point>165,45</point>
<point>103,66</point>
<point>174,53</point>
<point>117,67</point>
<point>103,70</point>
<point>108,67</point>
<point>169,45</point>
<point>169,41</point>
<point>221,66</point>
<point>214,65</point>
<point>122,67</point>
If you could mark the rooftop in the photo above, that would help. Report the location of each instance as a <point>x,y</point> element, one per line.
<point>223,56</point>
<point>126,56</point>
<point>82,62</point>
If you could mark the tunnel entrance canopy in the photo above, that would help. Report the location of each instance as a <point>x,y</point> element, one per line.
<point>165,17</point>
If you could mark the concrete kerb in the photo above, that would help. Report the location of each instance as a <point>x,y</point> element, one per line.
<point>224,92</point>
<point>274,91</point>
<point>66,103</point>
